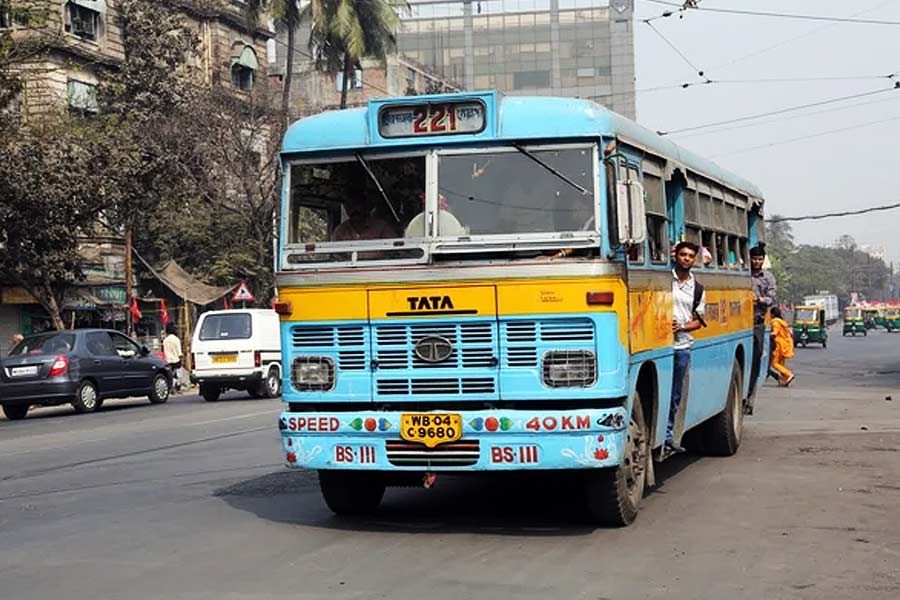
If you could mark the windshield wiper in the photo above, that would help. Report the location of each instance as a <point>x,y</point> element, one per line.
<point>553,170</point>
<point>384,195</point>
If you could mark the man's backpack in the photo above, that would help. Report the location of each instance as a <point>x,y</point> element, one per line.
<point>698,297</point>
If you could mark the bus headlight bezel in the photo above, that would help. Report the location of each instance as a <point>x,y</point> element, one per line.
<point>569,368</point>
<point>313,373</point>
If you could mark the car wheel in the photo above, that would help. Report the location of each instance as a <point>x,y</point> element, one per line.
<point>86,398</point>
<point>613,495</point>
<point>159,392</point>
<point>15,412</point>
<point>210,393</point>
<point>273,383</point>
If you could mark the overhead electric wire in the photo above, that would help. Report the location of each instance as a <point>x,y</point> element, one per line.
<point>683,8</point>
<point>696,69</point>
<point>805,137</point>
<point>846,213</point>
<point>777,112</point>
<point>786,118</point>
<point>808,33</point>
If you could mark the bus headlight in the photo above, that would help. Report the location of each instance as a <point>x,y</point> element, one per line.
<point>569,368</point>
<point>312,373</point>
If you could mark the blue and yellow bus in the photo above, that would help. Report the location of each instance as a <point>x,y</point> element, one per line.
<point>474,282</point>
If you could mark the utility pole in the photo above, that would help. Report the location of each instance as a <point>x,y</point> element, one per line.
<point>128,279</point>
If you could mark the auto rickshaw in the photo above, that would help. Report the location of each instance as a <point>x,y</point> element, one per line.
<point>853,321</point>
<point>809,326</point>
<point>892,318</point>
<point>870,318</point>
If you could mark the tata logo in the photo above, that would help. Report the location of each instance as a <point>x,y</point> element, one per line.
<point>434,349</point>
<point>430,303</point>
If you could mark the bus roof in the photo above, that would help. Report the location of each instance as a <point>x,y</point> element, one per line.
<point>508,118</point>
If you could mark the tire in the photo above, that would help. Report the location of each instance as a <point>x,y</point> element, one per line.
<point>613,495</point>
<point>272,383</point>
<point>159,391</point>
<point>86,398</point>
<point>351,492</point>
<point>210,393</point>
<point>15,412</point>
<point>722,433</point>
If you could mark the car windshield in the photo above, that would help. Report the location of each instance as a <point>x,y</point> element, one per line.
<point>853,314</point>
<point>806,314</point>
<point>226,327</point>
<point>45,343</point>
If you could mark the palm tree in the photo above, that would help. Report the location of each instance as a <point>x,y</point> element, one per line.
<point>287,13</point>
<point>344,32</point>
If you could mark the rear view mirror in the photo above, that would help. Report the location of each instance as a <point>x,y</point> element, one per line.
<point>631,212</point>
<point>145,351</point>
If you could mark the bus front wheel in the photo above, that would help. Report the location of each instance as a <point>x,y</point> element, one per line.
<point>351,492</point>
<point>613,495</point>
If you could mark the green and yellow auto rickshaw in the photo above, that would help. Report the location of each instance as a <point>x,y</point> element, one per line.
<point>809,326</point>
<point>892,318</point>
<point>853,321</point>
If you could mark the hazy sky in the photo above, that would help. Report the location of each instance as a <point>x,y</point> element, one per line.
<point>851,169</point>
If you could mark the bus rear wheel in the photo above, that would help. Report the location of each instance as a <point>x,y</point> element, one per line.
<point>613,495</point>
<point>351,492</point>
<point>722,433</point>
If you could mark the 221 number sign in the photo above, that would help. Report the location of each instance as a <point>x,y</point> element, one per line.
<point>431,119</point>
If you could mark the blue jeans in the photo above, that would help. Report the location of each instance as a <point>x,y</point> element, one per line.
<point>679,370</point>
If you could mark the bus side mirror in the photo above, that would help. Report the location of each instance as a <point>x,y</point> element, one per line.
<point>631,212</point>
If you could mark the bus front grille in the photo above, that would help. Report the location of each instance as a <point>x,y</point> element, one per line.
<point>462,453</point>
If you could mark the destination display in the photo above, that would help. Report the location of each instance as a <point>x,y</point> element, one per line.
<point>410,120</point>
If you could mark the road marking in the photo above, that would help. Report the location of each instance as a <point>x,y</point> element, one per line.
<point>233,418</point>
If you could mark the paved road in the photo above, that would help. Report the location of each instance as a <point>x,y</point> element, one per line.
<point>188,500</point>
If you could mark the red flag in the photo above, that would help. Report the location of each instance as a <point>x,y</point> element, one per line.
<point>135,311</point>
<point>163,312</point>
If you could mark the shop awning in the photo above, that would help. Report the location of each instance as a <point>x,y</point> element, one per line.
<point>185,286</point>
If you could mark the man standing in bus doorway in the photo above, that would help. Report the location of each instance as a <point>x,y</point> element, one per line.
<point>689,304</point>
<point>763,283</point>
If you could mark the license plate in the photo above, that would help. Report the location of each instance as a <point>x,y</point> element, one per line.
<point>430,429</point>
<point>22,371</point>
<point>225,358</point>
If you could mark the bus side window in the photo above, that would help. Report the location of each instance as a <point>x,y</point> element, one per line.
<point>657,229</point>
<point>709,243</point>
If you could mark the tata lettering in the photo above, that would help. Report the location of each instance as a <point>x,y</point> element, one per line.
<point>430,303</point>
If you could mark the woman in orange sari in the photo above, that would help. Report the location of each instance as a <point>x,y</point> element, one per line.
<point>782,346</point>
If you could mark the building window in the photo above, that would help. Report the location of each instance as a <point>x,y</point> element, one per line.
<point>355,83</point>
<point>243,68</point>
<point>82,19</point>
<point>82,97</point>
<point>531,79</point>
<point>411,88</point>
<point>5,20</point>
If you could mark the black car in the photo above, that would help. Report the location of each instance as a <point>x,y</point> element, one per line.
<point>82,367</point>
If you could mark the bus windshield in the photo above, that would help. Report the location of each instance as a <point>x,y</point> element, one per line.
<point>374,207</point>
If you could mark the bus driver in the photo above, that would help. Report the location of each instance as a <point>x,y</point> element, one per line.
<point>362,223</point>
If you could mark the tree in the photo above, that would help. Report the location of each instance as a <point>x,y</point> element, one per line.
<point>287,14</point>
<point>51,193</point>
<point>346,31</point>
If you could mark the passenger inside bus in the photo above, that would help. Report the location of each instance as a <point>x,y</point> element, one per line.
<point>363,222</point>
<point>448,224</point>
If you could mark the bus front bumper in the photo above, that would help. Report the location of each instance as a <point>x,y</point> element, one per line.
<point>491,440</point>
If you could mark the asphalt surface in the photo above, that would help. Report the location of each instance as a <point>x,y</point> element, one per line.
<point>189,500</point>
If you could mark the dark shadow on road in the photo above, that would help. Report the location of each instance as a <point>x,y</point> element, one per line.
<point>540,504</point>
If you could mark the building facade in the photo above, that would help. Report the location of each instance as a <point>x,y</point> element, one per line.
<point>82,38</point>
<point>575,48</point>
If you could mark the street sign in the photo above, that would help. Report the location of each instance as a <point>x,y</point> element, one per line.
<point>242,293</point>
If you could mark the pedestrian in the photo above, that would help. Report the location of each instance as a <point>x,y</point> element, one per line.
<point>173,352</point>
<point>783,347</point>
<point>689,304</point>
<point>763,285</point>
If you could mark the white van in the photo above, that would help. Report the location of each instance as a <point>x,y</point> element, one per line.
<point>238,350</point>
